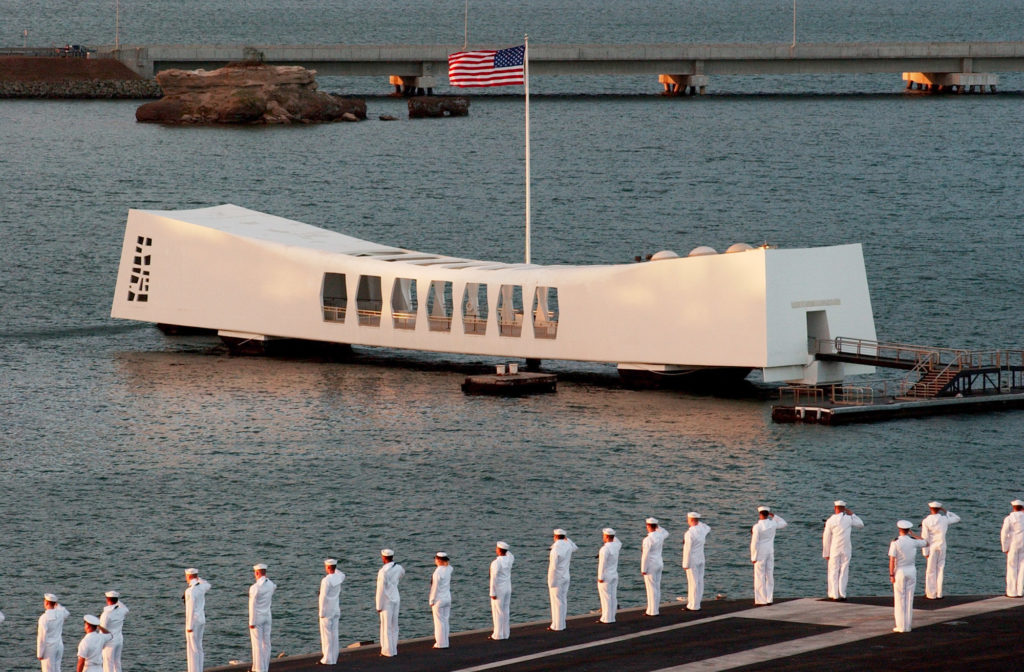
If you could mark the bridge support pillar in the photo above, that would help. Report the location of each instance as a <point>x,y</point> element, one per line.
<point>957,82</point>
<point>406,85</point>
<point>681,85</point>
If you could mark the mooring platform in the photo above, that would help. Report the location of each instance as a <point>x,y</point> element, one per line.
<point>895,408</point>
<point>955,633</point>
<point>511,384</point>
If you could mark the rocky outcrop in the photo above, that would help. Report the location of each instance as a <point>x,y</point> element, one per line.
<point>246,93</point>
<point>135,88</point>
<point>438,106</point>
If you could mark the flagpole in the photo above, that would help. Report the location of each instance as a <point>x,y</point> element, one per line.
<point>526,84</point>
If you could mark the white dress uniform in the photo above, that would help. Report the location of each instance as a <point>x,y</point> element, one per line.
<point>388,602</point>
<point>261,594</point>
<point>933,530</point>
<point>652,564</point>
<point>329,613</point>
<point>195,622</point>
<point>440,600</point>
<point>904,549</point>
<point>837,547</point>
<point>762,554</point>
<point>501,594</point>
<point>49,638</point>
<point>112,620</point>
<point>91,648</point>
<point>608,579</point>
<point>693,563</point>
<point>1012,538</point>
<point>558,580</point>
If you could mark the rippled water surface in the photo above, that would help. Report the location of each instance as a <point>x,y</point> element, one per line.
<point>129,455</point>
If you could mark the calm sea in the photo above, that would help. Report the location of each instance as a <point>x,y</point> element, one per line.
<point>128,456</point>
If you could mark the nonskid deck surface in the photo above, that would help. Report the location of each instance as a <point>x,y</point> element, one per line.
<point>975,632</point>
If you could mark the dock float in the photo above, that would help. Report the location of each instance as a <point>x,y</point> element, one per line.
<point>509,381</point>
<point>980,633</point>
<point>895,408</point>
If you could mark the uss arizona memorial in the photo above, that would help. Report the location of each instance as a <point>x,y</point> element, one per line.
<point>255,277</point>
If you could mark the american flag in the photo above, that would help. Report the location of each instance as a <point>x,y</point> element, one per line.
<point>487,68</point>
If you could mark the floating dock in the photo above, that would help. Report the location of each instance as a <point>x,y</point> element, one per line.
<point>970,632</point>
<point>509,381</point>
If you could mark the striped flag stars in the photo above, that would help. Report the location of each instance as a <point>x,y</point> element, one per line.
<point>503,67</point>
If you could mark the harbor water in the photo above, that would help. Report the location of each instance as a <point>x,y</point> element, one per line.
<point>128,456</point>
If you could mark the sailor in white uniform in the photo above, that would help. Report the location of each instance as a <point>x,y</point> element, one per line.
<point>195,618</point>
<point>501,589</point>
<point>330,611</point>
<point>112,622</point>
<point>933,530</point>
<point>903,574</point>
<point>92,646</point>
<point>558,577</point>
<point>49,634</point>
<point>440,598</point>
<point>651,564</point>
<point>388,601</point>
<point>608,575</point>
<point>693,559</point>
<point>762,553</point>
<point>837,548</point>
<point>1012,539</point>
<point>261,594</point>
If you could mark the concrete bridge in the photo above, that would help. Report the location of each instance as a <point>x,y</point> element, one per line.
<point>680,67</point>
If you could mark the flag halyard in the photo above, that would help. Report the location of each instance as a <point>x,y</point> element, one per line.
<point>503,67</point>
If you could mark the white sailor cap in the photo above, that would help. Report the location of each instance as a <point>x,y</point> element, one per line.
<point>559,532</point>
<point>387,553</point>
<point>651,521</point>
<point>1016,502</point>
<point>331,562</point>
<point>839,502</point>
<point>762,509</point>
<point>693,514</point>
<point>441,554</point>
<point>503,545</point>
<point>50,597</point>
<point>904,524</point>
<point>259,566</point>
<point>934,505</point>
<point>91,620</point>
<point>112,593</point>
<point>609,531</point>
<point>192,571</point>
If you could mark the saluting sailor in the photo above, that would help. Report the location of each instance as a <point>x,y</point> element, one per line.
<point>558,576</point>
<point>762,554</point>
<point>92,647</point>
<point>195,618</point>
<point>608,575</point>
<point>837,548</point>
<point>501,589</point>
<point>330,611</point>
<point>651,564</point>
<point>933,530</point>
<point>693,559</point>
<point>261,594</point>
<point>1012,539</point>
<point>388,601</point>
<point>111,622</point>
<point>903,573</point>
<point>440,598</point>
<point>49,634</point>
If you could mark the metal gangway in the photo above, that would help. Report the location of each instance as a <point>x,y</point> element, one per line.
<point>932,371</point>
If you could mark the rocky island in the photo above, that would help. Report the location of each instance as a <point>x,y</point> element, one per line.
<point>246,93</point>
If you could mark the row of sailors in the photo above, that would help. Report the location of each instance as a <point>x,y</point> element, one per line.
<point>101,648</point>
